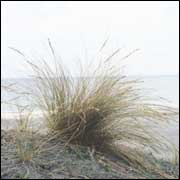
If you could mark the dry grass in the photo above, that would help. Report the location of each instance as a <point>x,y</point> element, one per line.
<point>24,136</point>
<point>23,133</point>
<point>102,112</point>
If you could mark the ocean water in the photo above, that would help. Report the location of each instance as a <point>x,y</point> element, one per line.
<point>163,86</point>
<point>158,86</point>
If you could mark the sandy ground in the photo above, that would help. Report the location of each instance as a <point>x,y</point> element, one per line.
<point>74,163</point>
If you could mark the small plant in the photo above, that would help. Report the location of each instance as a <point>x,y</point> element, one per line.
<point>24,136</point>
<point>23,133</point>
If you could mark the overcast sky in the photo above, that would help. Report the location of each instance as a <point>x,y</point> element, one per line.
<point>78,29</point>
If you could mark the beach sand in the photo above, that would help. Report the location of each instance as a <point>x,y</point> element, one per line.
<point>91,168</point>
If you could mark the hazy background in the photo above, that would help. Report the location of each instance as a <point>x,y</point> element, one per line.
<point>78,29</point>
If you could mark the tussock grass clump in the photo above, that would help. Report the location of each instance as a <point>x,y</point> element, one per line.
<point>24,136</point>
<point>103,109</point>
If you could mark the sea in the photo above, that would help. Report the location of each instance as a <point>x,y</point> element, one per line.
<point>166,87</point>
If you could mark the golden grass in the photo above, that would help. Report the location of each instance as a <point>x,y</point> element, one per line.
<point>24,136</point>
<point>102,112</point>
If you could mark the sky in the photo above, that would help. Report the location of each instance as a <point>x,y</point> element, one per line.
<point>78,29</point>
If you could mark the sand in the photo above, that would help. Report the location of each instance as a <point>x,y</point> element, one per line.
<point>72,162</point>
<point>59,164</point>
